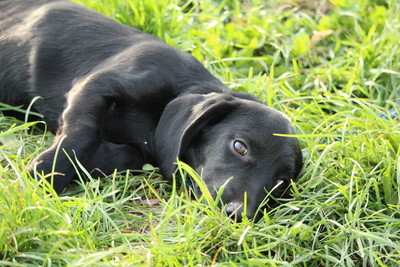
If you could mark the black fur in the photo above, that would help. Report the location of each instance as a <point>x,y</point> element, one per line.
<point>122,98</point>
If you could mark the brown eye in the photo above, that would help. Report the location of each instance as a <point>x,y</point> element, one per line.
<point>280,183</point>
<point>240,147</point>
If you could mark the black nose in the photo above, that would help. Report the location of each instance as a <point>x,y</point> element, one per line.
<point>234,210</point>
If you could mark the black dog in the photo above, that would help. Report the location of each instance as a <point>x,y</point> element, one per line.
<point>119,98</point>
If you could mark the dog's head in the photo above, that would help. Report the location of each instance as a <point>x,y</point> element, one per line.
<point>223,136</point>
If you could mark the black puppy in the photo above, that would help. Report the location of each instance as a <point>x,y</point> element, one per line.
<point>119,98</point>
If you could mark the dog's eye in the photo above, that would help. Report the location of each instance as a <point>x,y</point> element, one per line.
<point>240,147</point>
<point>280,184</point>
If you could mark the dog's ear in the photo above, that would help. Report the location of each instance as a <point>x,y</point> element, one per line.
<point>182,119</point>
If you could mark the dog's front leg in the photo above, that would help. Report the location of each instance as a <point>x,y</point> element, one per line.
<point>80,132</point>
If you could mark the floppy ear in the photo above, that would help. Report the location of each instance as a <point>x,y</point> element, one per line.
<point>182,119</point>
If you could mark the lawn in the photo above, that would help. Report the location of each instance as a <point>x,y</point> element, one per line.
<point>332,66</point>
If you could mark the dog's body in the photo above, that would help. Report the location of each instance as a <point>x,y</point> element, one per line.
<point>119,98</point>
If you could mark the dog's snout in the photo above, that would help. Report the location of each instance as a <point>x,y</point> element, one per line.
<point>234,210</point>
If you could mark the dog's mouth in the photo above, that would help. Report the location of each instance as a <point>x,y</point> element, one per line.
<point>234,209</point>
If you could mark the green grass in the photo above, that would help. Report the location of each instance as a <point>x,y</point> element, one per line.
<point>332,66</point>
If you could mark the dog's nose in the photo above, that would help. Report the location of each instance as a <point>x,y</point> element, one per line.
<point>234,210</point>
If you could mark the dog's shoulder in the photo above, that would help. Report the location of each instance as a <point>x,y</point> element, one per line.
<point>245,96</point>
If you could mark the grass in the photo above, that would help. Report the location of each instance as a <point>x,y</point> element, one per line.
<point>332,66</point>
